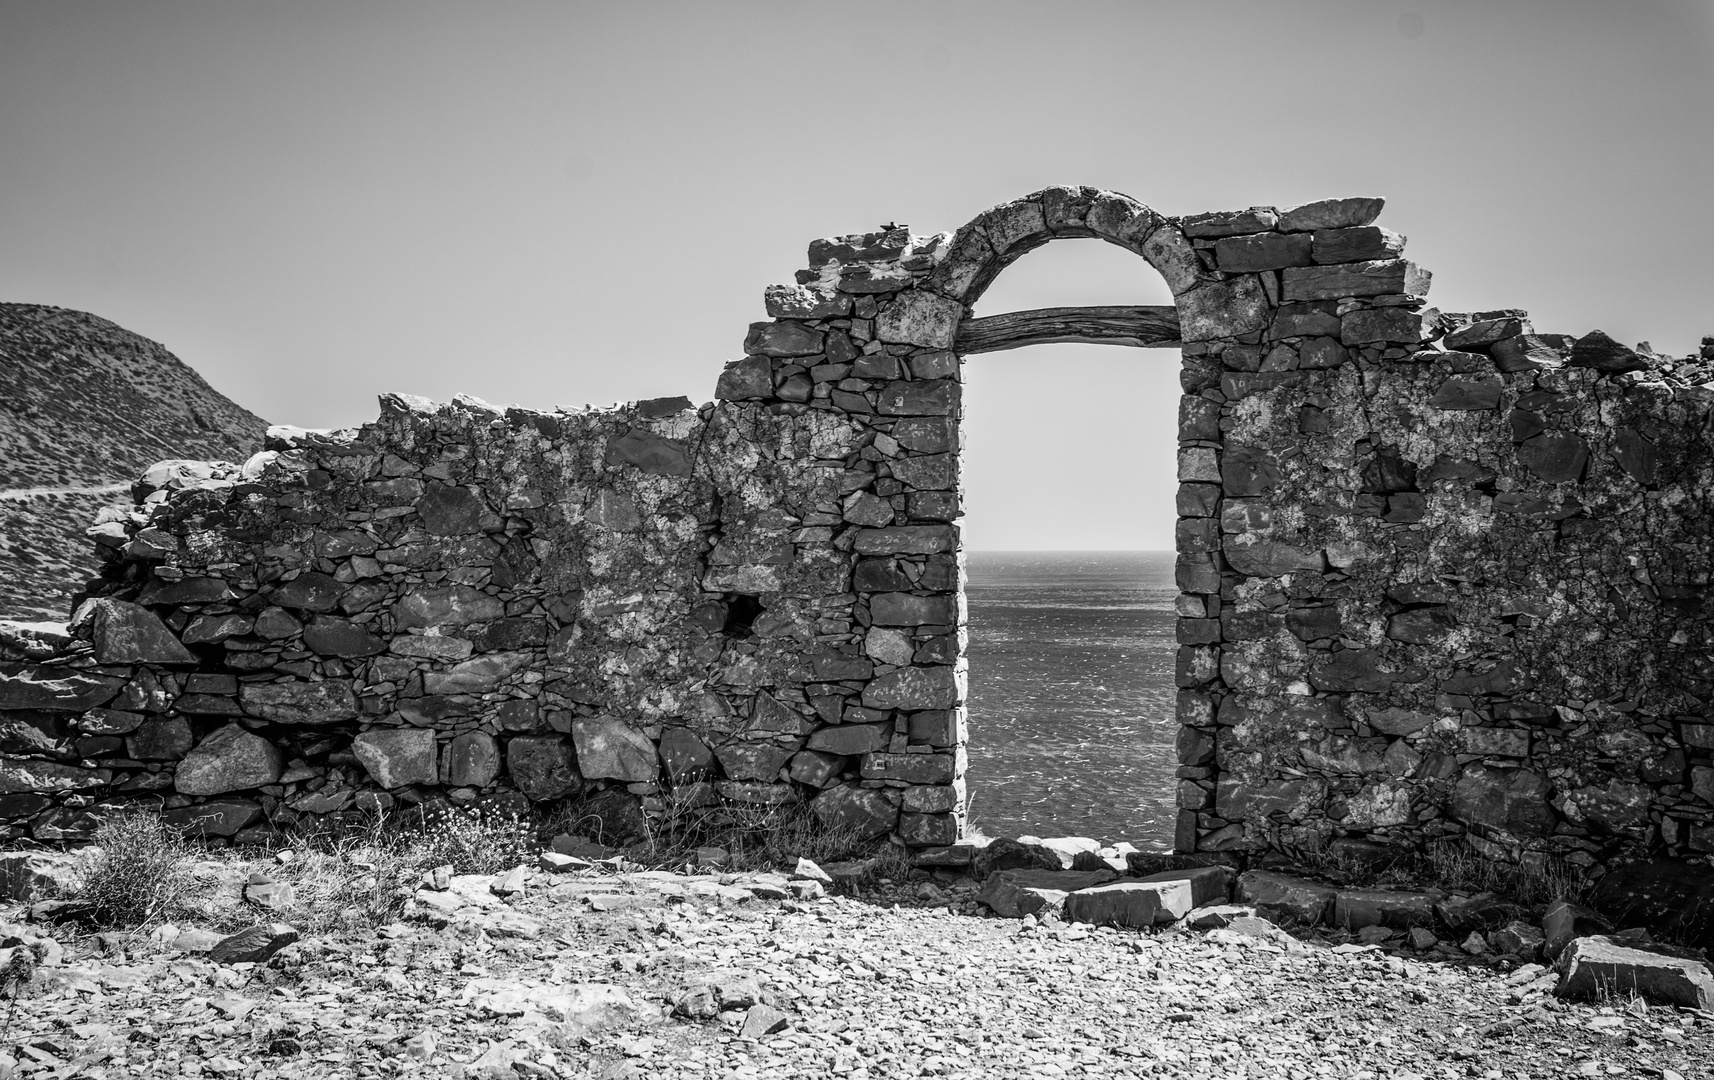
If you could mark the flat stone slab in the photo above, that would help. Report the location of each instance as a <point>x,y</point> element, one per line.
<point>1353,909</point>
<point>1198,886</point>
<point>1282,895</point>
<point>1592,966</point>
<point>1012,894</point>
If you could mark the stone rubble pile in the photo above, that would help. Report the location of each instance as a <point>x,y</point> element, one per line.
<point>586,966</point>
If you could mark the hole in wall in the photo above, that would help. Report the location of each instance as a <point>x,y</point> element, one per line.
<point>742,610</point>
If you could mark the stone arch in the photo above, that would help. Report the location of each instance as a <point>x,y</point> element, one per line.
<point>979,251</point>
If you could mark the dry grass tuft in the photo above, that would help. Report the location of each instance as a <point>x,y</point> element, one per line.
<point>141,874</point>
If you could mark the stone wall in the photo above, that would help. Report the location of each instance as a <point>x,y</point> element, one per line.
<point>1441,577</point>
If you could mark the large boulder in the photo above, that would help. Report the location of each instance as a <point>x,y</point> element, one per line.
<point>231,759</point>
<point>1353,909</point>
<point>397,757</point>
<point>1594,967</point>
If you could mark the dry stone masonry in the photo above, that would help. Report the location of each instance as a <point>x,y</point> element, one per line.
<point>1442,577</point>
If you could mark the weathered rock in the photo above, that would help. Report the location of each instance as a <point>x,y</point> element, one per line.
<point>1354,909</point>
<point>1126,903</point>
<point>1280,896</point>
<point>1013,894</point>
<point>166,739</point>
<point>611,747</point>
<point>254,944</point>
<point>30,686</point>
<point>1593,967</point>
<point>1511,799</point>
<point>27,876</point>
<point>864,812</point>
<point>1331,214</point>
<point>397,757</point>
<point>914,688</point>
<point>230,759</point>
<point>341,637</point>
<point>544,767</point>
<point>299,702</point>
<point>124,633</point>
<point>851,739</point>
<point>216,817</point>
<point>472,760</point>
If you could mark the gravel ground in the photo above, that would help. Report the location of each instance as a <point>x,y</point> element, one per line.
<point>577,975</point>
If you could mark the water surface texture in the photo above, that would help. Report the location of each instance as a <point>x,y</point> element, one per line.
<point>1071,694</point>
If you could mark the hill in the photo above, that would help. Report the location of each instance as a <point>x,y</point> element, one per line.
<point>86,405</point>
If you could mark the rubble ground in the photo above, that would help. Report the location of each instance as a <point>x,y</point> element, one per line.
<point>582,969</point>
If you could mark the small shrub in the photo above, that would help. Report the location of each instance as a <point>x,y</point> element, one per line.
<point>140,874</point>
<point>474,841</point>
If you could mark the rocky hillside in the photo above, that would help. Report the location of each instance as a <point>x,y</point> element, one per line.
<point>84,407</point>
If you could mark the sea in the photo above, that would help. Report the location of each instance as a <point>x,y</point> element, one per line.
<point>1071,694</point>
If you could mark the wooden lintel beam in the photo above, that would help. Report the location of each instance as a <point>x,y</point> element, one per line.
<point>1138,327</point>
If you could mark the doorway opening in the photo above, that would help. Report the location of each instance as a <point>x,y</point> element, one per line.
<point>1069,479</point>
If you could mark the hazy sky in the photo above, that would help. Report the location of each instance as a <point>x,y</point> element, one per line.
<point>567,203</point>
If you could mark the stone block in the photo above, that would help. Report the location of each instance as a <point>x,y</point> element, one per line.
<point>1354,909</point>
<point>1468,394</point>
<point>1331,214</point>
<point>933,397</point>
<point>928,830</point>
<point>1526,352</point>
<point>230,759</point>
<point>1012,894</point>
<point>814,768</point>
<point>1364,243</point>
<point>309,592</point>
<point>616,749</point>
<point>686,757</point>
<point>864,811</point>
<point>1596,350</point>
<point>1191,887</point>
<point>1223,309</point>
<point>1592,968</point>
<point>472,760</point>
<point>1126,904</point>
<point>1270,559</point>
<point>908,609</point>
<point>912,768</point>
<point>1514,800</point>
<point>937,687</point>
<point>1262,251</point>
<point>1555,457</point>
<point>1228,222</point>
<point>450,605</point>
<point>805,302</point>
<point>1495,742</point>
<point>398,757</point>
<point>749,379</point>
<point>1386,326</point>
<point>850,740</point>
<point>123,633</point>
<point>216,817</point>
<point>906,540</point>
<point>784,338</point>
<point>29,686</point>
<point>543,767</point>
<point>1198,465</point>
<point>919,317</point>
<point>1369,278</point>
<point>160,739</point>
<point>1281,896</point>
<point>331,636</point>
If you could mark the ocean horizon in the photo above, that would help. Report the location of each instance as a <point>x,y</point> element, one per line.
<point>1072,697</point>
